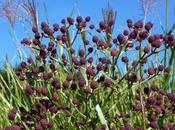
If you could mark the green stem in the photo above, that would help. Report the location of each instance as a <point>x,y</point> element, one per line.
<point>143,111</point>
<point>166,30</point>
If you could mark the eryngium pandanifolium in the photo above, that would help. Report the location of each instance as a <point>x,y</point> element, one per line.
<point>63,76</point>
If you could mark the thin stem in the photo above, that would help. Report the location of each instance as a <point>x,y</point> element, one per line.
<point>143,111</point>
<point>75,37</point>
<point>166,30</point>
<point>140,54</point>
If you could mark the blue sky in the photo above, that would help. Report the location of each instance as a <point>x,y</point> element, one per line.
<point>58,9</point>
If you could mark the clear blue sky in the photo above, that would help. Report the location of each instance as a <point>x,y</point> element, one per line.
<point>58,9</point>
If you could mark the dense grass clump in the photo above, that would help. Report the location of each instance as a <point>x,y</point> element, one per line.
<point>109,82</point>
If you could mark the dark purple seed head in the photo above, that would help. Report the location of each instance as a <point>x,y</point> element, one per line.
<point>38,127</point>
<point>56,83</point>
<point>75,101</point>
<point>151,118</point>
<point>55,96</point>
<point>154,125</point>
<point>159,96</point>
<point>129,21</point>
<point>137,47</point>
<point>171,37</point>
<point>52,67</point>
<point>50,125</point>
<point>115,40</point>
<point>47,76</point>
<point>153,87</point>
<point>90,49</point>
<point>111,22</point>
<point>83,60</point>
<point>63,21</point>
<point>79,19</point>
<point>125,59</point>
<point>35,70</point>
<point>103,127</point>
<point>55,27</point>
<point>90,71</point>
<point>125,32</point>
<point>11,115</point>
<point>38,89</point>
<point>44,91</point>
<point>86,42</point>
<point>102,25</point>
<point>87,90</point>
<point>90,60</point>
<point>167,70</point>
<point>93,84</point>
<point>114,52</point>
<point>147,91</point>
<point>59,38</point>
<point>138,24</point>
<point>44,123</point>
<point>130,25</point>
<point>120,38</point>
<point>29,90</point>
<point>151,100</point>
<point>138,96</point>
<point>64,38</point>
<point>132,35</point>
<point>88,18</point>
<point>75,60</point>
<point>25,41</point>
<point>23,64</point>
<point>101,43</point>
<point>30,60</point>
<point>48,31</point>
<point>156,43</point>
<point>34,30</point>
<point>16,127</point>
<point>53,51</point>
<point>139,128</point>
<point>69,77</point>
<point>148,26</point>
<point>171,96</point>
<point>157,110</point>
<point>107,82</point>
<point>165,126</point>
<point>143,35</point>
<point>81,52</point>
<point>171,43</point>
<point>99,67</point>
<point>66,84</point>
<point>151,71</point>
<point>35,42</point>
<point>73,86</point>
<point>160,67</point>
<point>91,26</point>
<point>44,25</point>
<point>133,77</point>
<point>104,60</point>
<point>64,106</point>
<point>95,39</point>
<point>70,20</point>
<point>146,49</point>
<point>72,51</point>
<point>53,109</point>
<point>151,39</point>
<point>81,82</point>
<point>63,29</point>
